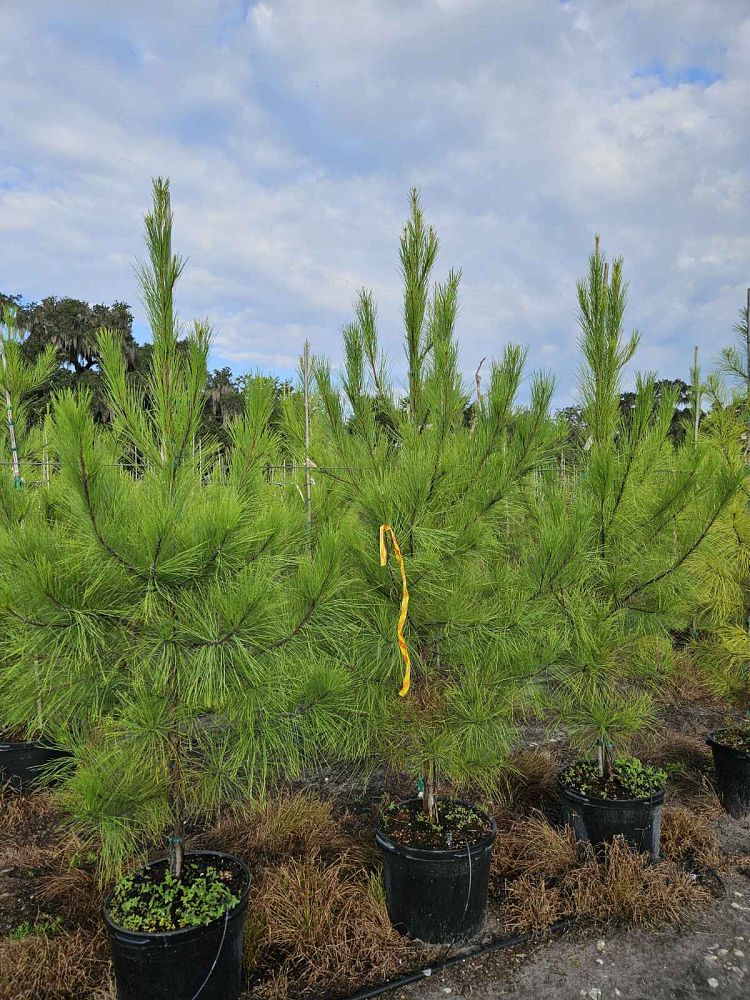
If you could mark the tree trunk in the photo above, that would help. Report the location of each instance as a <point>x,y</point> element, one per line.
<point>176,847</point>
<point>429,802</point>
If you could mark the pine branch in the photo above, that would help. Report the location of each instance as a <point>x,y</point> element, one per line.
<point>89,506</point>
<point>684,557</point>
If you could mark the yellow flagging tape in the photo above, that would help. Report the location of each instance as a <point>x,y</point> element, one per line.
<point>387,529</point>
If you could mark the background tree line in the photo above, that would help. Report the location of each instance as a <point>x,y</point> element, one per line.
<point>71,326</point>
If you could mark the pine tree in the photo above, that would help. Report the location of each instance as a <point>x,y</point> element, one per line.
<point>722,642</point>
<point>734,362</point>
<point>414,480</point>
<point>623,538</point>
<point>20,383</point>
<point>24,461</point>
<point>169,608</point>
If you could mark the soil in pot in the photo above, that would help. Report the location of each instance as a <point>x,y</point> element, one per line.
<point>172,938</point>
<point>731,751</point>
<point>23,762</point>
<point>436,874</point>
<point>627,803</point>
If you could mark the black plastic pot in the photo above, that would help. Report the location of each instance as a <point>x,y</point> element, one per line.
<point>598,821</point>
<point>204,963</point>
<point>438,896</point>
<point>732,768</point>
<point>23,763</point>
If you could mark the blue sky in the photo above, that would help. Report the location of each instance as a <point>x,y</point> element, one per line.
<point>292,131</point>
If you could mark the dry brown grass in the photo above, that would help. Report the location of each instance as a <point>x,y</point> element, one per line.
<point>533,847</point>
<point>667,748</point>
<point>32,833</point>
<point>73,893</point>
<point>25,816</point>
<point>541,875</point>
<point>626,888</point>
<point>296,826</point>
<point>315,923</point>
<point>688,838</point>
<point>66,966</point>
<point>531,904</point>
<point>277,987</point>
<point>26,856</point>
<point>530,780</point>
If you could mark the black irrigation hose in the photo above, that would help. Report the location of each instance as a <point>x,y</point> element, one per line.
<point>479,949</point>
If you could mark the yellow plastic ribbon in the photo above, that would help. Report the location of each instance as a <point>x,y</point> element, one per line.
<point>387,529</point>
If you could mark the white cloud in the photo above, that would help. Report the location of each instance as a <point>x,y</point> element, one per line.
<point>292,130</point>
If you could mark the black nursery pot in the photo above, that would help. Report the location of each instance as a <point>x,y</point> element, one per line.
<point>598,821</point>
<point>203,962</point>
<point>732,768</point>
<point>438,896</point>
<point>23,763</point>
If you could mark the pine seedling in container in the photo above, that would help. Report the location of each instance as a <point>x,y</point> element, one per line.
<point>623,537</point>
<point>427,493</point>
<point>446,486</point>
<point>722,644</point>
<point>170,604</point>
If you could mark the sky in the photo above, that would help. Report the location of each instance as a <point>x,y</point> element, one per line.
<point>292,131</point>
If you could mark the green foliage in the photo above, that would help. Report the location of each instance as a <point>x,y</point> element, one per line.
<point>623,537</point>
<point>160,614</point>
<point>630,778</point>
<point>150,905</point>
<point>455,494</point>
<point>721,644</point>
<point>734,360</point>
<point>40,928</point>
<point>174,612</point>
<point>21,383</point>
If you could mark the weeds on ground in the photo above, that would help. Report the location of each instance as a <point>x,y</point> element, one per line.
<point>530,779</point>
<point>47,927</point>
<point>543,876</point>
<point>533,847</point>
<point>295,826</point>
<point>687,838</point>
<point>316,924</point>
<point>64,966</point>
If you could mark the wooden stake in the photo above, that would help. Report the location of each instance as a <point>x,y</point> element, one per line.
<point>306,388</point>
<point>696,376</point>
<point>11,423</point>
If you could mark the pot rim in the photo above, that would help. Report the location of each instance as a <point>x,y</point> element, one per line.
<point>6,745</point>
<point>182,932</point>
<point>656,799</point>
<point>438,853</point>
<point>713,742</point>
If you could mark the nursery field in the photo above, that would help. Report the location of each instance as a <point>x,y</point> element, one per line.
<point>317,925</point>
<point>372,679</point>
